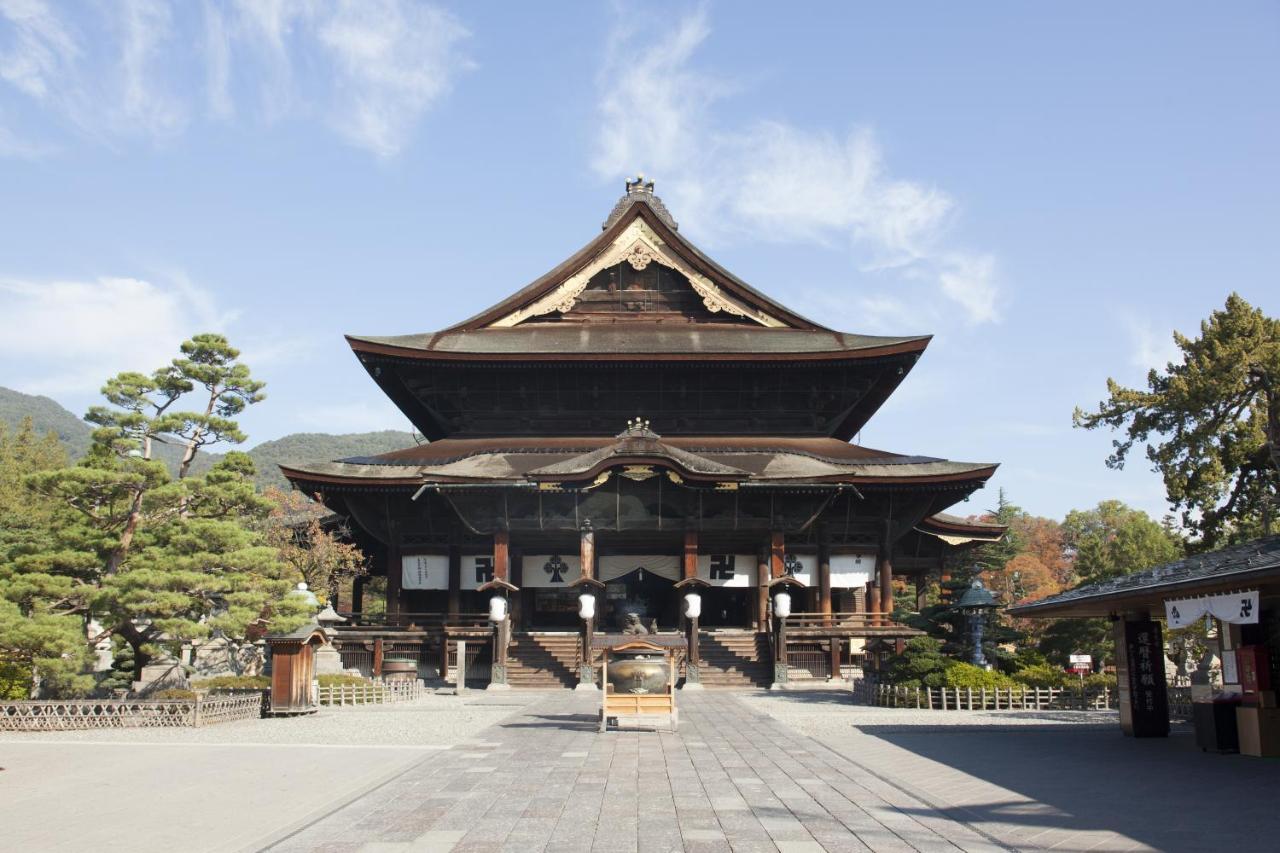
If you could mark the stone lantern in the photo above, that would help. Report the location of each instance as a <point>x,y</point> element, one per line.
<point>975,604</point>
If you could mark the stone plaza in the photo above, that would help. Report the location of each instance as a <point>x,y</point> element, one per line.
<point>529,771</point>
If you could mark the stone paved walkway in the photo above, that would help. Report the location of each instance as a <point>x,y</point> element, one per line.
<point>731,779</point>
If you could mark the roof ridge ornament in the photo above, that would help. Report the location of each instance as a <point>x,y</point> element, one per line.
<point>638,427</point>
<point>638,189</point>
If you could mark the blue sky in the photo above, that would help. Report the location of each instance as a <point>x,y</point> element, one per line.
<point>1050,189</point>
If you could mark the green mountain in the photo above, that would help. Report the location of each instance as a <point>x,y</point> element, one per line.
<point>47,415</point>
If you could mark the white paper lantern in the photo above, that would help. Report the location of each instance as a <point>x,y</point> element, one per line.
<point>497,608</point>
<point>782,605</point>
<point>693,605</point>
<point>587,606</point>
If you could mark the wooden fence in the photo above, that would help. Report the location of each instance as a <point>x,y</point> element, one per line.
<point>377,693</point>
<point>984,699</point>
<point>62,715</point>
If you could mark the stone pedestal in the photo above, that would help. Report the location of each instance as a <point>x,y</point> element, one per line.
<point>586,678</point>
<point>328,661</point>
<point>780,676</point>
<point>498,677</point>
<point>692,677</point>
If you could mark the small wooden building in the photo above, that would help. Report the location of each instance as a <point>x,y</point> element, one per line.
<point>293,669</point>
<point>642,707</point>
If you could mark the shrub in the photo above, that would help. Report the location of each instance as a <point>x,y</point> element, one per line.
<point>1043,675</point>
<point>234,682</point>
<point>1100,680</point>
<point>921,664</point>
<point>335,680</point>
<point>174,693</point>
<point>964,675</point>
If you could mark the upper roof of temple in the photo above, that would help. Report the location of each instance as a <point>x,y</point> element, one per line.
<point>638,289</point>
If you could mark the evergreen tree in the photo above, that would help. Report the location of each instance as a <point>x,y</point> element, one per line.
<point>1204,421</point>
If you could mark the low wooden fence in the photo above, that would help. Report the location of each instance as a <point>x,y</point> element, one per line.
<point>983,699</point>
<point>63,715</point>
<point>377,693</point>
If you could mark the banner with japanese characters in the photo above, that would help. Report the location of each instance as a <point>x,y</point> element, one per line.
<point>425,571</point>
<point>851,571</point>
<point>1238,608</point>
<point>731,570</point>
<point>1144,677</point>
<point>550,571</point>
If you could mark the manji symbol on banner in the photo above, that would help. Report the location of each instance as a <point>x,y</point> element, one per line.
<point>731,570</point>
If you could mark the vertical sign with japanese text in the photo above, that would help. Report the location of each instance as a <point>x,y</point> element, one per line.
<point>1149,700</point>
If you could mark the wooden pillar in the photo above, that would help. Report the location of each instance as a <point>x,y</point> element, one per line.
<point>395,575</point>
<point>690,565</point>
<point>886,572</point>
<point>762,590</point>
<point>377,657</point>
<point>501,555</point>
<point>873,605</point>
<point>455,583</point>
<point>357,594</point>
<point>922,590</point>
<point>777,555</point>
<point>835,658</point>
<point>587,550</point>
<point>824,579</point>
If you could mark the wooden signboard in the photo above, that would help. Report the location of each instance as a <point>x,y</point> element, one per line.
<point>1148,696</point>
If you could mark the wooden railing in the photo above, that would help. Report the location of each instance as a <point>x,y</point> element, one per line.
<point>60,715</point>
<point>377,693</point>
<point>984,699</point>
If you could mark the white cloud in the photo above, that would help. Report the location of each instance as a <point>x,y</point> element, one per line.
<point>69,336</point>
<point>770,180</point>
<point>1149,348</point>
<point>370,69</point>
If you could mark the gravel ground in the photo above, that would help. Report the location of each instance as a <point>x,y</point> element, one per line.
<point>828,711</point>
<point>434,720</point>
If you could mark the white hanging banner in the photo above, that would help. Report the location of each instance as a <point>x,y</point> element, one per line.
<point>550,571</point>
<point>851,571</point>
<point>731,570</point>
<point>1237,608</point>
<point>477,569</point>
<point>425,571</point>
<point>802,567</point>
<point>616,565</point>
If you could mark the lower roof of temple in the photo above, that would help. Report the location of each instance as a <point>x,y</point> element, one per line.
<point>756,459</point>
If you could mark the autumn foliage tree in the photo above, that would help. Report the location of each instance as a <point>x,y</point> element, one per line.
<point>321,555</point>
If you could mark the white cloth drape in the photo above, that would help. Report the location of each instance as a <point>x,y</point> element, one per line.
<point>662,565</point>
<point>1237,608</point>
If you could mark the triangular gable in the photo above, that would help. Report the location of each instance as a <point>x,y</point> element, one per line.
<point>639,237</point>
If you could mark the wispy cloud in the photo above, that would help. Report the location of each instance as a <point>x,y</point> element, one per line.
<point>771,180</point>
<point>68,336</point>
<point>1149,348</point>
<point>369,69</point>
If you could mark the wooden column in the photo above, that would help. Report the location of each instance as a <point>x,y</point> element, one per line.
<point>762,590</point>
<point>501,555</point>
<point>824,580</point>
<point>455,583</point>
<point>587,550</point>
<point>357,595</point>
<point>777,554</point>
<point>886,586</point>
<point>873,604</point>
<point>835,658</point>
<point>922,590</point>
<point>690,565</point>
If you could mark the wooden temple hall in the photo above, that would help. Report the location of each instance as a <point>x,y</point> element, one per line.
<point>639,424</point>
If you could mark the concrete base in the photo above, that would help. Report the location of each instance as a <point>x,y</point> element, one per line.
<point>691,685</point>
<point>583,686</point>
<point>497,686</point>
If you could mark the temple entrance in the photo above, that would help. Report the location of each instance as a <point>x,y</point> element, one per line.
<point>644,592</point>
<point>724,607</point>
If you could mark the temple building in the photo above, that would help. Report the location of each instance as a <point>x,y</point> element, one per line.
<point>638,423</point>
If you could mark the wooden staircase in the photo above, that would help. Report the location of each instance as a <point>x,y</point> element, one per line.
<point>735,659</point>
<point>545,661</point>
